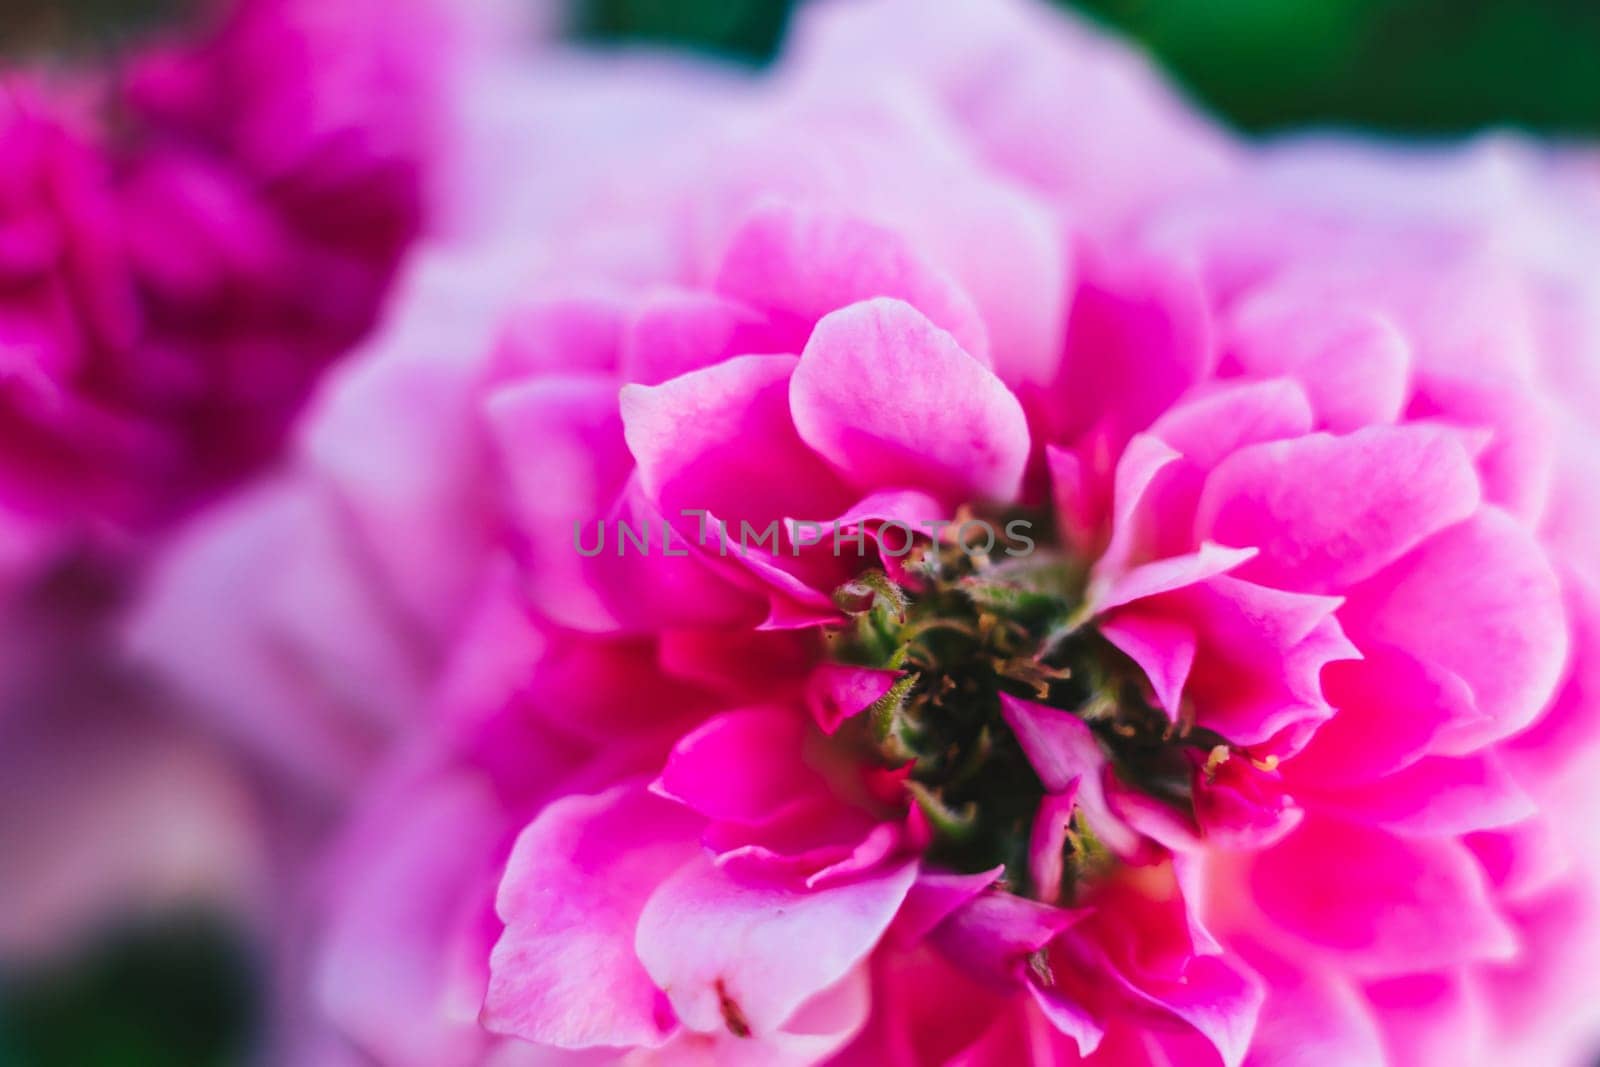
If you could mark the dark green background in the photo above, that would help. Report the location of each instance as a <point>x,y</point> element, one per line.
<point>1407,65</point>
<point>178,993</point>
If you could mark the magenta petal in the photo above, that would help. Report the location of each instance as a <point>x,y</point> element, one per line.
<point>1070,1017</point>
<point>802,263</point>
<point>1079,500</point>
<point>1047,843</point>
<point>1479,600</point>
<point>1217,997</point>
<point>1430,1018</point>
<point>892,400</point>
<point>1522,860</point>
<point>1437,796</point>
<point>819,867</point>
<point>1166,575</point>
<point>992,935</point>
<point>1139,335</point>
<point>1059,745</point>
<point>1388,710</point>
<point>1064,753</point>
<point>1257,674</point>
<point>721,440</point>
<point>1144,464</point>
<point>724,950</point>
<point>1239,804</point>
<point>1163,648</point>
<point>1312,1017</point>
<point>1327,512</point>
<point>1377,903</point>
<point>565,973</point>
<point>836,692</point>
<point>933,898</point>
<point>742,766</point>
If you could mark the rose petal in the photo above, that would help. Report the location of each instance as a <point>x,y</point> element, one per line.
<point>565,973</point>
<point>730,954</point>
<point>1327,512</point>
<point>892,401</point>
<point>801,263</point>
<point>1379,904</point>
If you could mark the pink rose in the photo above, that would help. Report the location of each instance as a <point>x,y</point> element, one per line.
<point>893,585</point>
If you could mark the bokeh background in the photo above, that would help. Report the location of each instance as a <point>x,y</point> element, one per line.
<point>181,991</point>
<point>1409,66</point>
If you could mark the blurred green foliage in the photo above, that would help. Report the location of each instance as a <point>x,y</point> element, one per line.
<point>172,993</point>
<point>1405,65</point>
<point>738,29</point>
<point>1410,65</point>
<point>46,27</point>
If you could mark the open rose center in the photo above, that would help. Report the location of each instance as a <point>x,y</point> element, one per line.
<point>972,627</point>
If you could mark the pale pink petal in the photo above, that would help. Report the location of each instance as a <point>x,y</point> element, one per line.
<point>565,973</point>
<point>561,451</point>
<point>564,334</point>
<point>731,954</point>
<point>1355,366</point>
<point>674,331</point>
<point>818,1029</point>
<point>650,574</point>
<point>799,264</point>
<point>384,971</point>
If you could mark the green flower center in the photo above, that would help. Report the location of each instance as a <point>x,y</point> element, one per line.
<point>967,626</point>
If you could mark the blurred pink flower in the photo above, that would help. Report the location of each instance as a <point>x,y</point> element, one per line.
<point>185,246</point>
<point>66,296</point>
<point>1270,747</point>
<point>189,247</point>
